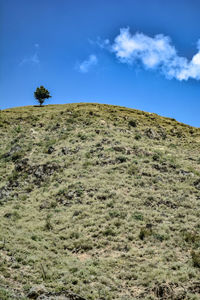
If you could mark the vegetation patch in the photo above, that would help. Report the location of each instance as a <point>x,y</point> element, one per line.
<point>98,202</point>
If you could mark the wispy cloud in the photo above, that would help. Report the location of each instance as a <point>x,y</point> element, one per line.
<point>155,53</point>
<point>32,59</point>
<point>99,42</point>
<point>87,64</point>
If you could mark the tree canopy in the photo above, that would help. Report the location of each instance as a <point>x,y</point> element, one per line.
<point>41,94</point>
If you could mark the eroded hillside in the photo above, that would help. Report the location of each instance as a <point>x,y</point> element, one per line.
<point>98,201</point>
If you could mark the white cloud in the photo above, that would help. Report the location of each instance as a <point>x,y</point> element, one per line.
<point>104,44</point>
<point>33,59</point>
<point>155,53</point>
<point>87,64</point>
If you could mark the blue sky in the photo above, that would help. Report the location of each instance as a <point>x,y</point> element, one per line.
<point>76,50</point>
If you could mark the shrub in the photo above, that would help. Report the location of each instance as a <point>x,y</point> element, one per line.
<point>121,159</point>
<point>196,259</point>
<point>145,232</point>
<point>191,237</point>
<point>17,155</point>
<point>138,136</point>
<point>156,156</point>
<point>132,123</point>
<point>138,216</point>
<point>48,225</point>
<point>133,170</point>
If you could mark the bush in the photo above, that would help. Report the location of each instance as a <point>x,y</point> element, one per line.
<point>145,232</point>
<point>121,159</point>
<point>48,225</point>
<point>132,123</point>
<point>138,216</point>
<point>191,237</point>
<point>133,170</point>
<point>196,259</point>
<point>138,136</point>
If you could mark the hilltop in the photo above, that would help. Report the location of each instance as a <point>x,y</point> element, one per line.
<point>98,202</point>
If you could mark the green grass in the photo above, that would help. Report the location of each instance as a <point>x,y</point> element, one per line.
<point>98,200</point>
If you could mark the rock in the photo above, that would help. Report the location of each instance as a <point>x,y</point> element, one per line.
<point>197,184</point>
<point>21,165</point>
<point>150,133</point>
<point>167,203</point>
<point>75,150</point>
<point>186,173</point>
<point>41,172</point>
<point>32,131</point>
<point>105,141</point>
<point>162,133</point>
<point>64,150</point>
<point>14,150</point>
<point>102,122</point>
<point>70,195</point>
<point>4,193</point>
<point>195,288</point>
<point>50,150</point>
<point>63,295</point>
<point>163,291</point>
<point>46,169</point>
<point>44,205</point>
<point>161,168</point>
<point>36,291</point>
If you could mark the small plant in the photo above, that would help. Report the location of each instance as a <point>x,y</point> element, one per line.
<point>138,136</point>
<point>121,159</point>
<point>138,216</point>
<point>82,136</point>
<point>4,294</point>
<point>13,177</point>
<point>48,225</point>
<point>18,129</point>
<point>160,237</point>
<point>196,259</point>
<point>133,170</point>
<point>145,232</point>
<point>156,156</point>
<point>132,123</point>
<point>191,237</point>
<point>109,231</point>
<point>41,94</point>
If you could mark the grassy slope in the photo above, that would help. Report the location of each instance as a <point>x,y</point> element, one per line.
<point>102,207</point>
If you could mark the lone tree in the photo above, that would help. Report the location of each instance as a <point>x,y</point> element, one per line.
<point>41,94</point>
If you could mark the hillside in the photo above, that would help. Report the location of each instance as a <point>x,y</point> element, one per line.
<point>98,202</point>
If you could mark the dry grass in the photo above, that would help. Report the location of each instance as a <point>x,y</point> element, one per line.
<point>102,201</point>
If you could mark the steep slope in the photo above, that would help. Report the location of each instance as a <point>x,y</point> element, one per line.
<point>99,201</point>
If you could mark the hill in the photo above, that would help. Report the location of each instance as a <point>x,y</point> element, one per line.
<point>98,202</point>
